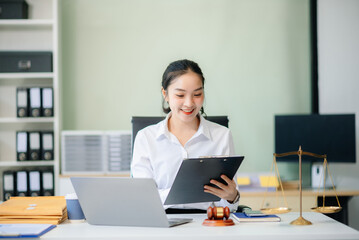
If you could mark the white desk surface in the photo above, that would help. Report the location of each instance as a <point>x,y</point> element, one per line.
<point>323,228</point>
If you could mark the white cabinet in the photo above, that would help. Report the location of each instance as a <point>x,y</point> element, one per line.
<point>38,33</point>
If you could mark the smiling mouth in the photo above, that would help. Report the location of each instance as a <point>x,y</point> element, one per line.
<point>188,113</point>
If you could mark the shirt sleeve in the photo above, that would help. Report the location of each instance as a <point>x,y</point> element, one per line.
<point>232,207</point>
<point>141,166</point>
<point>230,144</point>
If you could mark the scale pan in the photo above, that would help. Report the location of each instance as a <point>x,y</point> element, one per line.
<point>327,209</point>
<point>278,210</point>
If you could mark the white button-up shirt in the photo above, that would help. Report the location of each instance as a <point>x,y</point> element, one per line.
<point>158,154</point>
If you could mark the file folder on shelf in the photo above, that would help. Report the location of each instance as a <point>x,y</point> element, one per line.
<point>34,183</point>
<point>47,183</point>
<point>34,145</point>
<point>8,185</point>
<point>21,183</point>
<point>47,102</point>
<point>35,102</point>
<point>47,145</point>
<point>21,146</point>
<point>22,108</point>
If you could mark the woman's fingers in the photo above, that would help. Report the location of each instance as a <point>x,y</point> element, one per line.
<point>225,191</point>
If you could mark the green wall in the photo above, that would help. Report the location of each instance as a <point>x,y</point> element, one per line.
<point>255,55</point>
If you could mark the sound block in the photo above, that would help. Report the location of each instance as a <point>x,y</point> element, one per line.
<point>218,223</point>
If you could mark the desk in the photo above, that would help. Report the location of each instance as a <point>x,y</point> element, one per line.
<point>311,198</point>
<point>323,228</point>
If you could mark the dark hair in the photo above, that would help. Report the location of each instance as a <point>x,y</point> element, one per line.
<point>176,69</point>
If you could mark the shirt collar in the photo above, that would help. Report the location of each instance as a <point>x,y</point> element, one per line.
<point>163,128</point>
<point>203,128</point>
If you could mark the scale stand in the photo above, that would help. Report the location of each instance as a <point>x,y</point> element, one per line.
<point>323,209</point>
<point>300,220</point>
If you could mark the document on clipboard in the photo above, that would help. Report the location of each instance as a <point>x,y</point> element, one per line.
<point>194,173</point>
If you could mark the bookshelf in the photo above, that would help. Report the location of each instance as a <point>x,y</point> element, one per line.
<point>40,32</point>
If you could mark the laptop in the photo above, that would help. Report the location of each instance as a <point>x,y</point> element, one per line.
<point>119,201</point>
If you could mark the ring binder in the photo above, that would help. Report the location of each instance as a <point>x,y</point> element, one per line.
<point>34,145</point>
<point>35,102</point>
<point>21,183</point>
<point>47,183</point>
<point>34,183</point>
<point>47,145</point>
<point>22,102</point>
<point>21,146</point>
<point>47,102</point>
<point>8,185</point>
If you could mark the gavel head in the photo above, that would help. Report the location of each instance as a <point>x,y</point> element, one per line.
<point>216,213</point>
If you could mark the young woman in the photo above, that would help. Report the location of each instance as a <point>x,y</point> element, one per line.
<point>159,149</point>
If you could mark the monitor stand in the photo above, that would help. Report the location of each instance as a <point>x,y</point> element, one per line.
<point>318,176</point>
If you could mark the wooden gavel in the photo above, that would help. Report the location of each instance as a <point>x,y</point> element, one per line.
<point>218,213</point>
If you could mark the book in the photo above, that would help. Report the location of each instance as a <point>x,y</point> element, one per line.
<point>24,230</point>
<point>242,217</point>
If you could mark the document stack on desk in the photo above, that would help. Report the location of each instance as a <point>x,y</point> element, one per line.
<point>45,210</point>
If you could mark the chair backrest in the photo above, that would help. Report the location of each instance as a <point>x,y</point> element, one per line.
<point>139,123</point>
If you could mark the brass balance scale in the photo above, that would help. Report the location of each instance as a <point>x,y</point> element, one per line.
<point>323,209</point>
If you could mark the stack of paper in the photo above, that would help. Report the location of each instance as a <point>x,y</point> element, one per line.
<point>46,210</point>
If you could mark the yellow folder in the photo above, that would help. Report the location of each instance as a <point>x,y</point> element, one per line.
<point>34,210</point>
<point>268,181</point>
<point>243,181</point>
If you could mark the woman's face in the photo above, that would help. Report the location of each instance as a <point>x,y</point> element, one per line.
<point>185,96</point>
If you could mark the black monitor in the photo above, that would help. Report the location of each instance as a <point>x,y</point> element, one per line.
<point>332,134</point>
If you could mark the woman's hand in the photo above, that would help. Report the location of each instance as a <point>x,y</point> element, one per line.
<point>228,192</point>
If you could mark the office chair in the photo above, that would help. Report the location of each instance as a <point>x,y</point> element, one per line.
<point>139,123</point>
